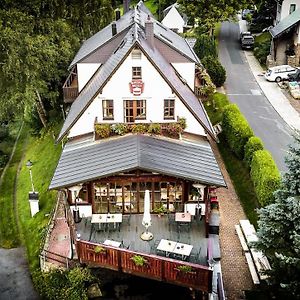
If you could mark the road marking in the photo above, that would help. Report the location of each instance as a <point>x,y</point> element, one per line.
<point>256,92</point>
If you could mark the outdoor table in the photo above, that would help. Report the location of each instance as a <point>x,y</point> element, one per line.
<point>112,243</point>
<point>191,208</point>
<point>98,218</point>
<point>183,249</point>
<point>114,218</point>
<point>183,217</point>
<point>166,246</point>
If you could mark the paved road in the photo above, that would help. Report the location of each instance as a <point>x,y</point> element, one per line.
<point>15,282</point>
<point>243,90</point>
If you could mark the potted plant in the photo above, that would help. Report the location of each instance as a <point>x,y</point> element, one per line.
<point>154,128</point>
<point>119,128</point>
<point>139,260</point>
<point>99,250</point>
<point>160,210</point>
<point>185,269</point>
<point>102,130</point>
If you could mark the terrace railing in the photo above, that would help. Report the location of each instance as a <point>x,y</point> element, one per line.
<point>154,267</point>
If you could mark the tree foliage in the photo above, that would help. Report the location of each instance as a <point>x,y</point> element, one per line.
<point>215,70</point>
<point>279,228</point>
<point>38,40</point>
<point>205,46</point>
<point>208,13</point>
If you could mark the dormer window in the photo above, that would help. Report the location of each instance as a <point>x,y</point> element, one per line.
<point>169,109</point>
<point>136,72</point>
<point>108,109</point>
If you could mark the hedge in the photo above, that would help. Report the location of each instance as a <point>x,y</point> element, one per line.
<point>253,144</point>
<point>265,176</point>
<point>236,129</point>
<point>214,69</point>
<point>206,45</point>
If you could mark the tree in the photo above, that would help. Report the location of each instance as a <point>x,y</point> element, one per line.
<point>279,228</point>
<point>208,13</point>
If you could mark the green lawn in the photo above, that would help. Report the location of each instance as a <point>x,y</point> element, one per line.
<point>9,235</point>
<point>44,155</point>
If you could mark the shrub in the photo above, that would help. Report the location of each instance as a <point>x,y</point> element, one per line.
<point>103,130</point>
<point>119,128</point>
<point>205,46</point>
<point>138,128</point>
<point>182,123</point>
<point>265,176</point>
<point>236,129</point>
<point>262,47</point>
<point>215,70</point>
<point>253,144</point>
<point>154,128</point>
<point>174,129</point>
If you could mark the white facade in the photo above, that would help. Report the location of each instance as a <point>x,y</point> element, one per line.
<point>187,72</point>
<point>156,90</point>
<point>285,8</point>
<point>85,72</point>
<point>174,20</point>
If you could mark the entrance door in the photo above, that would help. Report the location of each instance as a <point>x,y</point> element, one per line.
<point>134,110</point>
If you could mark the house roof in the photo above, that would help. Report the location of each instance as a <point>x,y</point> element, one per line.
<point>176,6</point>
<point>286,23</point>
<point>135,36</point>
<point>88,160</point>
<point>137,15</point>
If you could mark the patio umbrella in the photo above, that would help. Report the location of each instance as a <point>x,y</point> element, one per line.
<point>147,236</point>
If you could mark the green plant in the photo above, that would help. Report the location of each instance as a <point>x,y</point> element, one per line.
<point>254,143</point>
<point>262,47</point>
<point>138,128</point>
<point>154,128</point>
<point>119,128</point>
<point>99,249</point>
<point>159,209</point>
<point>265,176</point>
<point>182,123</point>
<point>139,260</point>
<point>174,129</point>
<point>205,46</point>
<point>215,70</point>
<point>236,129</point>
<point>102,130</point>
<point>185,269</point>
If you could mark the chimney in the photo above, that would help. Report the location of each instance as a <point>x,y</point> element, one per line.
<point>149,31</point>
<point>126,5</point>
<point>113,28</point>
<point>118,14</point>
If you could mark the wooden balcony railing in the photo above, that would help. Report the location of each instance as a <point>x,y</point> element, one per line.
<point>70,87</point>
<point>155,267</point>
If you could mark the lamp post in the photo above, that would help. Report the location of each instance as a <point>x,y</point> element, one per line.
<point>33,195</point>
<point>29,166</point>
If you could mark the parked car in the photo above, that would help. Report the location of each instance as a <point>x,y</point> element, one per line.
<point>294,76</point>
<point>279,73</point>
<point>246,40</point>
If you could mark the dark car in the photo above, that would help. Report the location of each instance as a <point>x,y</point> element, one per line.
<point>295,76</point>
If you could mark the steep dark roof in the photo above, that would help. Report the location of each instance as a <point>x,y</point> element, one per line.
<point>141,6</point>
<point>286,23</point>
<point>138,15</point>
<point>82,162</point>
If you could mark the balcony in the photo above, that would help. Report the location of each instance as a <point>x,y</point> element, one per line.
<point>70,87</point>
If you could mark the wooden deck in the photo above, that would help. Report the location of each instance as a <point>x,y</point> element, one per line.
<point>132,228</point>
<point>157,267</point>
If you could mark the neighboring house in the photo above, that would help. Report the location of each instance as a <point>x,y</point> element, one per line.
<point>173,19</point>
<point>285,47</point>
<point>125,135</point>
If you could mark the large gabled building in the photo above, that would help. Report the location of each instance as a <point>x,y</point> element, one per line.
<point>135,125</point>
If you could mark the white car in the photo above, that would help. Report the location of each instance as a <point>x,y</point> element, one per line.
<point>279,73</point>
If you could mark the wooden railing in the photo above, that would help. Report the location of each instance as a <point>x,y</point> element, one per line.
<point>155,267</point>
<point>70,87</point>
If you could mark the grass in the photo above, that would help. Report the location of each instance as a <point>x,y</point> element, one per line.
<point>9,235</point>
<point>44,155</point>
<point>240,177</point>
<point>215,107</point>
<point>263,37</point>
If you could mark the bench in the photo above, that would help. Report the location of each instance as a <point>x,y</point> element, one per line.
<point>241,238</point>
<point>252,269</point>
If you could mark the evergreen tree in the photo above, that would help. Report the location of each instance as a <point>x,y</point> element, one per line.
<point>279,229</point>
